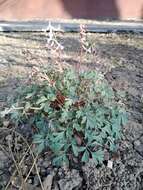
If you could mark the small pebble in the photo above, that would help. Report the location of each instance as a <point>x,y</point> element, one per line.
<point>29,181</point>
<point>36,181</point>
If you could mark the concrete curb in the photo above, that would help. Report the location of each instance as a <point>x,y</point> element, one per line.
<point>71,26</point>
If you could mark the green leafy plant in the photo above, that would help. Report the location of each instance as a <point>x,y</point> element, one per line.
<point>73,115</point>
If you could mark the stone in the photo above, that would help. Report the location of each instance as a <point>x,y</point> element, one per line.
<point>6,123</point>
<point>71,181</point>
<point>43,171</point>
<point>29,181</point>
<point>36,181</point>
<point>31,187</point>
<point>3,160</point>
<point>46,164</point>
<point>9,138</point>
<point>133,130</point>
<point>138,145</point>
<point>25,130</point>
<point>47,184</point>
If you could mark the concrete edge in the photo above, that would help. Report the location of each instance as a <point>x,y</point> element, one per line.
<point>72,26</point>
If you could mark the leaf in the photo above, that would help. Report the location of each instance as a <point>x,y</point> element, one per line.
<point>107,129</point>
<point>60,160</point>
<point>41,100</point>
<point>69,132</point>
<point>57,147</point>
<point>98,156</point>
<point>85,156</point>
<point>116,130</point>
<point>47,108</point>
<point>51,97</point>
<point>40,147</point>
<point>78,114</point>
<point>83,120</point>
<point>42,126</point>
<point>75,150</point>
<point>77,127</point>
<point>68,103</point>
<point>113,147</point>
<point>29,95</point>
<point>81,149</point>
<point>47,184</point>
<point>27,106</point>
<point>124,118</point>
<point>90,75</point>
<point>59,136</point>
<point>90,123</point>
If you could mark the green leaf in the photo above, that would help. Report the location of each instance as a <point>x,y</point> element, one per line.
<point>68,103</point>
<point>40,147</point>
<point>47,108</point>
<point>59,136</point>
<point>90,123</point>
<point>107,129</point>
<point>41,100</point>
<point>83,120</point>
<point>38,138</point>
<point>57,147</point>
<point>98,156</point>
<point>124,118</point>
<point>27,106</point>
<point>81,149</point>
<point>113,147</point>
<point>42,126</point>
<point>78,114</point>
<point>60,160</point>
<point>29,95</point>
<point>69,132</point>
<point>51,97</point>
<point>77,127</point>
<point>85,156</point>
<point>116,130</point>
<point>75,150</point>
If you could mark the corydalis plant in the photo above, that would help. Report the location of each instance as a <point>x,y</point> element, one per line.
<point>83,39</point>
<point>54,49</point>
<point>74,115</point>
<point>54,46</point>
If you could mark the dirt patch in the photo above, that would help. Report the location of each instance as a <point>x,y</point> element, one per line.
<point>120,58</point>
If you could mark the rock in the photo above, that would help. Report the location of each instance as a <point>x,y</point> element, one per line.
<point>61,173</point>
<point>46,163</point>
<point>71,181</point>
<point>9,138</point>
<point>25,170</point>
<point>36,181</point>
<point>3,160</point>
<point>25,130</point>
<point>31,187</point>
<point>43,171</point>
<point>6,123</point>
<point>48,181</point>
<point>138,145</point>
<point>55,187</point>
<point>133,91</point>
<point>4,178</point>
<point>29,181</point>
<point>133,130</point>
